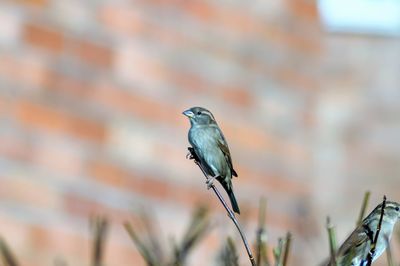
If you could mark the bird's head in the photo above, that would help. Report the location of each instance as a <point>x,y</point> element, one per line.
<point>392,210</point>
<point>199,116</point>
<point>391,214</point>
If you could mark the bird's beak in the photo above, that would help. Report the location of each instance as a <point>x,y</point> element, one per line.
<point>188,113</point>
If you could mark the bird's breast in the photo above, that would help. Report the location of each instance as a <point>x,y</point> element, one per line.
<point>202,136</point>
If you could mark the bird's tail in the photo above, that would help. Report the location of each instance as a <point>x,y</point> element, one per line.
<point>234,203</point>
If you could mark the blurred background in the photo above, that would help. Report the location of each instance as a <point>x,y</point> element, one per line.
<point>91,94</point>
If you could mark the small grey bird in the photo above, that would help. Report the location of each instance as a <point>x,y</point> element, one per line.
<point>212,149</point>
<point>355,249</point>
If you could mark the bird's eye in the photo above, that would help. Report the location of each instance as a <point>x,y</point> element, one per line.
<point>397,209</point>
<point>199,113</point>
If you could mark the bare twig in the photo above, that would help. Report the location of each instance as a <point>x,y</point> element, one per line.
<point>378,229</point>
<point>7,256</point>
<point>100,225</point>
<point>287,248</point>
<point>332,241</point>
<point>227,208</point>
<point>363,208</point>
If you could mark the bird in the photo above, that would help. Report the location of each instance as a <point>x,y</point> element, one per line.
<point>212,150</point>
<point>355,249</point>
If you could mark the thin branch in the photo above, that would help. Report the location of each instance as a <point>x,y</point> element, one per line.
<point>227,208</point>
<point>8,257</point>
<point>378,229</point>
<point>287,248</point>
<point>332,241</point>
<point>363,208</point>
<point>261,238</point>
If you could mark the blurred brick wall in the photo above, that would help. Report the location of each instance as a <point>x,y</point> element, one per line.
<point>91,95</point>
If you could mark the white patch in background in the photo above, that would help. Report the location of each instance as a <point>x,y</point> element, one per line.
<point>10,26</point>
<point>381,17</point>
<point>132,142</point>
<point>148,148</point>
<point>76,16</point>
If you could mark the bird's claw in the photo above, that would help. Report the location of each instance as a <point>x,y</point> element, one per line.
<point>210,182</point>
<point>191,154</point>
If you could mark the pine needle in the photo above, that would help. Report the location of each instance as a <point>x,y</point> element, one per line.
<point>363,208</point>
<point>143,249</point>
<point>332,241</point>
<point>198,227</point>
<point>228,255</point>
<point>262,258</point>
<point>100,225</point>
<point>7,256</point>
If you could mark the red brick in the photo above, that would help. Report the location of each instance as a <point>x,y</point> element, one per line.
<point>47,118</point>
<point>288,38</point>
<point>145,185</point>
<point>248,136</point>
<point>94,53</point>
<point>61,157</point>
<point>108,173</point>
<point>274,219</point>
<point>296,79</point>
<point>121,19</point>
<point>189,82</point>
<point>15,232</point>
<point>40,3</point>
<point>237,21</point>
<point>140,105</point>
<point>59,239</point>
<point>29,69</point>
<point>5,106</point>
<point>228,19</point>
<point>110,96</point>
<point>304,9</point>
<point>44,37</point>
<point>237,96</point>
<point>200,9</point>
<point>82,207</point>
<point>14,148</point>
<point>58,82</point>
<point>37,195</point>
<point>123,254</point>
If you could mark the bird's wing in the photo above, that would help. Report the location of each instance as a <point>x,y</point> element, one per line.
<point>356,245</point>
<point>223,145</point>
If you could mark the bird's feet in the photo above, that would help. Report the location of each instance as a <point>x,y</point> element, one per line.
<point>210,181</point>
<point>192,154</point>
